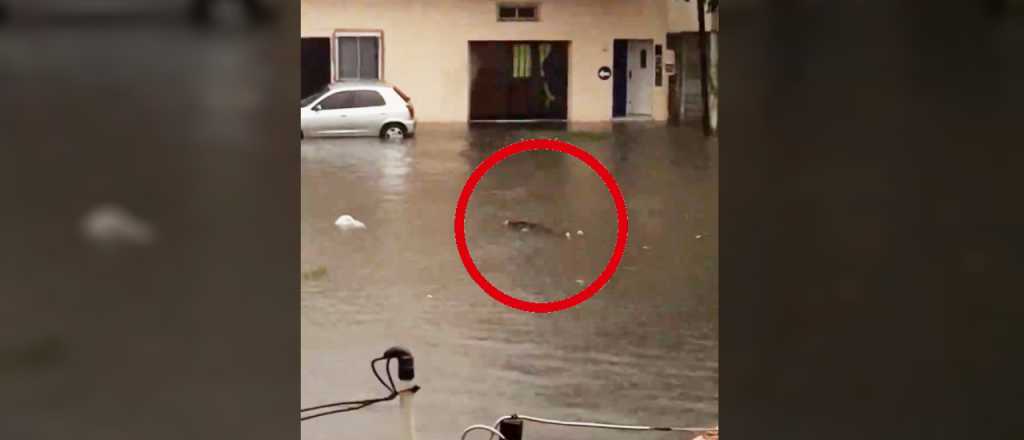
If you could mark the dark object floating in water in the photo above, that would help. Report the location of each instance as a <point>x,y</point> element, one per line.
<point>527,226</point>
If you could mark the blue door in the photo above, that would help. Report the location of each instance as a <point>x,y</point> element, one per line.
<point>619,80</point>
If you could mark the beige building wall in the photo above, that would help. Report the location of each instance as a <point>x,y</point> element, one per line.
<point>426,50</point>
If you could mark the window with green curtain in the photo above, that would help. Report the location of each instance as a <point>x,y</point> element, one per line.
<point>521,61</point>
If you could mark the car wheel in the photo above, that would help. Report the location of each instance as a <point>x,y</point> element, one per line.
<point>393,130</point>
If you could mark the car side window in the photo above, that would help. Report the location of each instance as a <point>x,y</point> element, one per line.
<point>339,100</point>
<point>368,98</point>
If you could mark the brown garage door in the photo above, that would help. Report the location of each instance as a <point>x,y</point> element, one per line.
<point>516,80</point>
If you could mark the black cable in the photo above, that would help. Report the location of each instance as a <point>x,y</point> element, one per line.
<point>302,419</point>
<point>359,404</point>
<point>373,366</point>
<point>352,402</point>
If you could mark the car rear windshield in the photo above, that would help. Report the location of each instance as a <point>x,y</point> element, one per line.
<point>311,98</point>
<point>402,94</point>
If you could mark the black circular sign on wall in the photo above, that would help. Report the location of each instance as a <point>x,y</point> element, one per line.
<point>604,73</point>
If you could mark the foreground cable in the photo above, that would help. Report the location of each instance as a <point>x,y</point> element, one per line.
<point>358,404</point>
<point>494,432</point>
<point>510,427</point>
<point>601,425</point>
<point>405,372</point>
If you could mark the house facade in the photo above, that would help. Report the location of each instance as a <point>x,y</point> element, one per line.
<point>463,60</point>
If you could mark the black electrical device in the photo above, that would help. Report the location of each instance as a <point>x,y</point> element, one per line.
<point>512,428</point>
<point>406,368</point>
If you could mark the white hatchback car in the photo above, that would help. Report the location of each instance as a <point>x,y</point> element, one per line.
<point>357,108</point>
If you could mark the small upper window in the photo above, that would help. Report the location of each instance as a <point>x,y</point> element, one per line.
<point>517,13</point>
<point>507,13</point>
<point>643,58</point>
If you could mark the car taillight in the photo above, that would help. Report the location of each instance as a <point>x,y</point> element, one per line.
<point>412,111</point>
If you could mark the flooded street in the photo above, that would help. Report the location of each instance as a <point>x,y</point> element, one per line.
<point>643,350</point>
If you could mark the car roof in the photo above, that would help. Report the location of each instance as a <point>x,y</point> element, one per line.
<point>358,84</point>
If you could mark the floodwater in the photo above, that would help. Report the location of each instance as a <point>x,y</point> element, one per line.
<point>643,350</point>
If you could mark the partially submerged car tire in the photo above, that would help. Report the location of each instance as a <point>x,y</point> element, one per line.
<point>393,130</point>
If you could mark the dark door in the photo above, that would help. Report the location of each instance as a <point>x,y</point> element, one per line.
<point>316,64</point>
<point>619,80</point>
<point>519,80</point>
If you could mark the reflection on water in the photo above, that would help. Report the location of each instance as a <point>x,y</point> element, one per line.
<point>644,349</point>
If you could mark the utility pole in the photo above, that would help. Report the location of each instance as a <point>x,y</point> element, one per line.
<point>703,41</point>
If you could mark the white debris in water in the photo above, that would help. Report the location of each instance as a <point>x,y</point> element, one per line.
<point>699,236</point>
<point>645,247</point>
<point>580,282</point>
<point>524,230</point>
<point>346,222</point>
<point>579,232</point>
<point>109,224</point>
<point>568,235</point>
<point>430,296</point>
